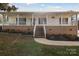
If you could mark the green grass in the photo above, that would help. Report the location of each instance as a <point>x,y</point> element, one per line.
<point>12,44</point>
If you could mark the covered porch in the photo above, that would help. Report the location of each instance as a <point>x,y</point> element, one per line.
<point>67,18</point>
<point>52,22</point>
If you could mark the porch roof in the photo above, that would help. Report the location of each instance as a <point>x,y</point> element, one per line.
<point>48,12</point>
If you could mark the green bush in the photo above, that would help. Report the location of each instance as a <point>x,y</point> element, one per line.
<point>62,37</point>
<point>6,30</point>
<point>12,30</point>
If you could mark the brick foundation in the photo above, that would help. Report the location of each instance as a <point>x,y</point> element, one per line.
<point>56,30</point>
<point>69,30</point>
<point>19,28</point>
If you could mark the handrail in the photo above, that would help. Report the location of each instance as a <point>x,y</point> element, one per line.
<point>44,30</point>
<point>34,31</point>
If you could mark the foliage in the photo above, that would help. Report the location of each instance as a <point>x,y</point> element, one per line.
<point>7,7</point>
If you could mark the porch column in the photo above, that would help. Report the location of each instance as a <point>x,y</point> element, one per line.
<point>6,19</point>
<point>76,20</point>
<point>3,20</point>
<point>17,20</point>
<point>71,20</point>
<point>37,21</point>
<point>77,24</point>
<point>61,21</point>
<point>32,19</point>
<point>46,19</point>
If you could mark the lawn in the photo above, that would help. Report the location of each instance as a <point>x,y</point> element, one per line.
<point>16,44</point>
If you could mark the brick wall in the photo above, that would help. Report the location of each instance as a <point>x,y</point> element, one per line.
<point>19,28</point>
<point>72,30</point>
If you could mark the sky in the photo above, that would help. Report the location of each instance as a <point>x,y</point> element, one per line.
<point>46,6</point>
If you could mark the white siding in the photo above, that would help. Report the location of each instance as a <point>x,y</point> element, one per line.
<point>50,21</point>
<point>28,21</point>
<point>12,20</point>
<point>53,22</point>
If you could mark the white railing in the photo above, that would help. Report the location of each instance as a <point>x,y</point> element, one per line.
<point>44,30</point>
<point>34,31</point>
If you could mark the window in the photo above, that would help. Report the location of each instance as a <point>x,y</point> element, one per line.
<point>16,21</point>
<point>22,21</point>
<point>59,20</point>
<point>39,21</point>
<point>65,20</point>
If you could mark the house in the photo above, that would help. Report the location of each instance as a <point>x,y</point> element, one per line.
<point>41,23</point>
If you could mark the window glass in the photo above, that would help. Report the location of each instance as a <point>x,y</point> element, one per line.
<point>22,21</point>
<point>59,20</point>
<point>65,20</point>
<point>34,21</point>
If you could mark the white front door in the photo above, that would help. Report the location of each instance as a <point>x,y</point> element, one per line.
<point>39,21</point>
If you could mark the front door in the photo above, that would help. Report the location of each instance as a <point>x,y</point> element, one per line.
<point>41,21</point>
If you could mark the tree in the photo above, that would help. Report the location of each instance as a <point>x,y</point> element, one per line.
<point>6,7</point>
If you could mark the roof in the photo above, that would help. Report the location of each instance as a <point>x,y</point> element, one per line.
<point>44,12</point>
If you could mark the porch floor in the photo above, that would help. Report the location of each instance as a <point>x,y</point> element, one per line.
<point>57,43</point>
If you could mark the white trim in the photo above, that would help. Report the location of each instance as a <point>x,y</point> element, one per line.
<point>44,30</point>
<point>36,21</point>
<point>17,19</point>
<point>34,31</point>
<point>46,19</point>
<point>2,21</point>
<point>32,19</point>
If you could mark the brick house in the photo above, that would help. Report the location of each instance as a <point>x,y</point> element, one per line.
<point>41,23</point>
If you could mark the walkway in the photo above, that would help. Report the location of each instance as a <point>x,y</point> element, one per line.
<point>58,43</point>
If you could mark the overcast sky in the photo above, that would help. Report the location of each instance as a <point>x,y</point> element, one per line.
<point>46,6</point>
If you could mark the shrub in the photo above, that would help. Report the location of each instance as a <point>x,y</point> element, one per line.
<point>30,33</point>
<point>6,30</point>
<point>12,30</point>
<point>62,37</point>
<point>70,37</point>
